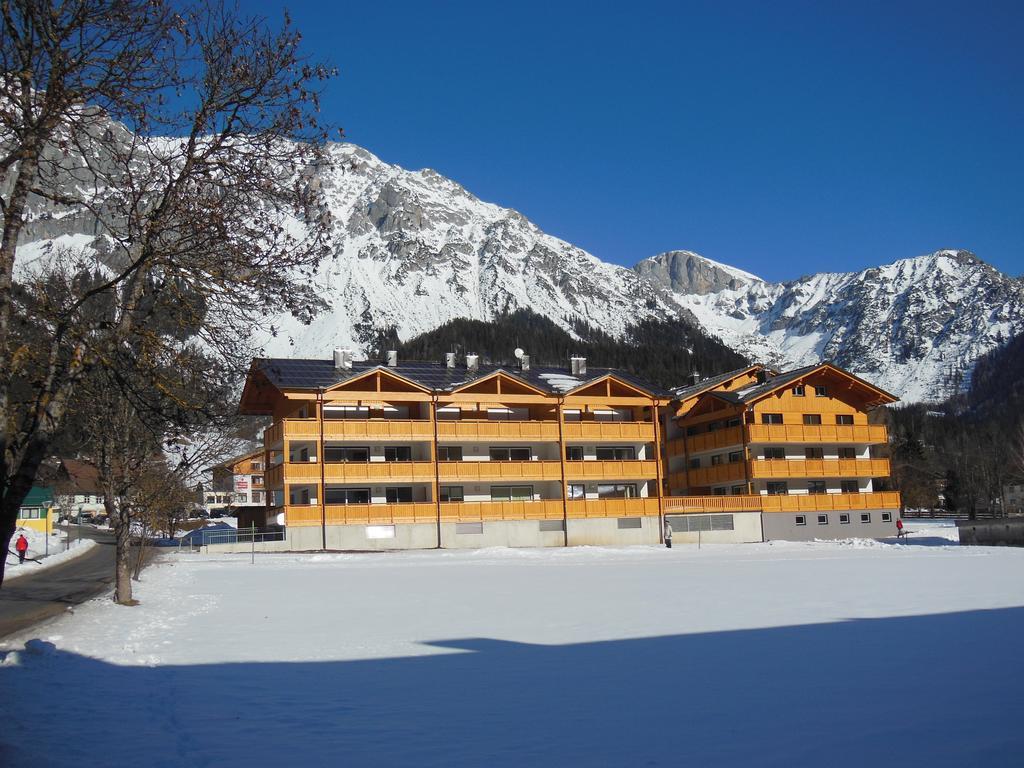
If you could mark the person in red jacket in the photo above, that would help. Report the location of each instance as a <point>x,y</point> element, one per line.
<point>899,528</point>
<point>21,547</point>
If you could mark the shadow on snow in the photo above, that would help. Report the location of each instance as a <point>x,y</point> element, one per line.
<point>936,690</point>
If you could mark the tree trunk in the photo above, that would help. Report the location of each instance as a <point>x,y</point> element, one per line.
<point>122,555</point>
<point>6,534</point>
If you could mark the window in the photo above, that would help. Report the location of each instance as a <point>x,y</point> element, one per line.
<point>695,463</point>
<point>691,431</point>
<point>571,415</point>
<point>774,452</point>
<point>733,422</point>
<point>821,391</point>
<point>812,418</point>
<point>814,452</point>
<point>801,520</point>
<point>257,466</point>
<point>616,491</point>
<point>627,453</point>
<point>630,522</point>
<point>346,412</point>
<point>620,414</point>
<point>510,454</point>
<point>398,495</point>
<point>577,491</point>
<point>451,493</point>
<point>778,488</point>
<point>799,391</point>
<point>822,519</point>
<point>449,453</point>
<point>719,491</point>
<point>552,525</point>
<point>511,493</point>
<point>257,497</point>
<point>508,414</point>
<point>574,453</point>
<point>717,459</point>
<point>398,453</point>
<point>737,490</point>
<point>771,418</point>
<point>844,518</point>
<point>345,496</point>
<point>335,455</point>
<point>844,418</point>
<point>816,486</point>
<point>469,528</point>
<point>849,486</point>
<point>887,517</point>
<point>734,457</point>
<point>865,517</point>
<point>847,452</point>
<point>449,413</point>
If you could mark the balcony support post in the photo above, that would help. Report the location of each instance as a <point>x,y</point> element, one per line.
<point>655,417</point>
<point>322,490</point>
<point>561,463</point>
<point>437,468</point>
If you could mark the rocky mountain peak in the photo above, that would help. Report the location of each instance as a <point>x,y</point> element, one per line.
<point>690,273</point>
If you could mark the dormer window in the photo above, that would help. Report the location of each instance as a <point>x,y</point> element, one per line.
<point>799,391</point>
<point>821,391</point>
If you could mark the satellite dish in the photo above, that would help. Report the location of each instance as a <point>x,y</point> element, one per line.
<point>519,353</point>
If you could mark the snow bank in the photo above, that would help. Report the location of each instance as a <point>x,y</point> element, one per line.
<point>57,556</point>
<point>788,653</point>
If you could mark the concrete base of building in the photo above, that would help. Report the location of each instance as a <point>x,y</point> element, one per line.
<point>787,527</point>
<point>727,528</point>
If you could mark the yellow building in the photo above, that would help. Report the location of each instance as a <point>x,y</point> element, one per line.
<point>36,511</point>
<point>457,454</point>
<point>755,455</point>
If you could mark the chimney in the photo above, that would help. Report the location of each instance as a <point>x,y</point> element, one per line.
<point>578,366</point>
<point>392,358</point>
<point>695,378</point>
<point>343,359</point>
<point>449,359</point>
<point>524,362</point>
<point>762,376</point>
<point>472,362</point>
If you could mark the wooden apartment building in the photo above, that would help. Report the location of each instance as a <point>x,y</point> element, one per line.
<point>367,455</point>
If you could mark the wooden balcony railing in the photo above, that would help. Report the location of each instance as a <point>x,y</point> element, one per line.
<point>819,502</point>
<point>782,468</point>
<point>596,508</point>
<point>486,471</point>
<point>729,472</point>
<point>379,472</point>
<point>378,429</point>
<point>497,430</point>
<point>274,477</point>
<point>478,511</point>
<point>710,441</point>
<point>380,514</point>
<point>817,433</point>
<point>639,469</point>
<point>301,472</point>
<point>626,431</point>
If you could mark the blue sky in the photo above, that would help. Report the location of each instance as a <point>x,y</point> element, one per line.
<point>784,138</point>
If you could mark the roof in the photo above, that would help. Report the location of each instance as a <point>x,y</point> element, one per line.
<point>38,496</point>
<point>82,476</point>
<point>230,463</point>
<point>773,383</point>
<point>703,385</point>
<point>287,373</point>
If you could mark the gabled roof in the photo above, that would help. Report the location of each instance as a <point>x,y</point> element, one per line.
<point>82,477</point>
<point>688,391</point>
<point>774,383</point>
<point>313,374</point>
<point>230,463</point>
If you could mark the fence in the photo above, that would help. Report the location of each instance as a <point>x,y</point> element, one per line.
<point>199,538</point>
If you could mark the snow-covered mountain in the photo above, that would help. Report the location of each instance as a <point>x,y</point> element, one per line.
<point>914,327</point>
<point>415,250</point>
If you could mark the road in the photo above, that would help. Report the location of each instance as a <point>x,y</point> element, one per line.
<point>31,599</point>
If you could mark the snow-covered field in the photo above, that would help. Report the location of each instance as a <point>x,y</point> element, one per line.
<point>809,654</point>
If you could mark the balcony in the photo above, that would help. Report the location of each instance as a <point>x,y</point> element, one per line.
<point>274,477</point>
<point>612,431</point>
<point>819,502</point>
<point>380,514</point>
<point>379,472</point>
<point>732,472</point>
<point>378,429</point>
<point>783,468</point>
<point>484,471</point>
<point>639,469</point>
<point>497,430</point>
<point>710,441</point>
<point>817,433</point>
<point>301,472</point>
<point>597,508</point>
<point>479,511</point>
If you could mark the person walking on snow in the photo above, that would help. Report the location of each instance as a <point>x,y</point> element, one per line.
<point>899,528</point>
<point>21,547</point>
<point>668,534</point>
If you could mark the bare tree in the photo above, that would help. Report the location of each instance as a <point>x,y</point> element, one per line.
<point>201,235</point>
